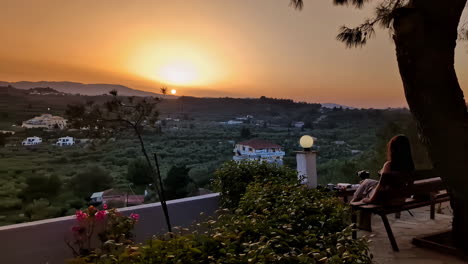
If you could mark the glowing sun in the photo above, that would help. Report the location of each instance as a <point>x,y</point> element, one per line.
<point>173,91</point>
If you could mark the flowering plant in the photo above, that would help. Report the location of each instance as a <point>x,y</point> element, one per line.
<point>113,229</point>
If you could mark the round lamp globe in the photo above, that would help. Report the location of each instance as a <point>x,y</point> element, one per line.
<point>306,142</point>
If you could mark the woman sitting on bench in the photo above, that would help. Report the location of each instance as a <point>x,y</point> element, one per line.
<point>395,176</point>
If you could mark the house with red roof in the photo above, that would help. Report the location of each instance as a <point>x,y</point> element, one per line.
<point>259,149</point>
<point>116,197</point>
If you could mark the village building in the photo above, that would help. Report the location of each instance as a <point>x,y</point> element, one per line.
<point>258,149</point>
<point>46,121</point>
<point>65,141</point>
<point>30,141</point>
<point>7,132</point>
<point>112,196</point>
<point>339,142</point>
<point>299,124</point>
<point>235,122</point>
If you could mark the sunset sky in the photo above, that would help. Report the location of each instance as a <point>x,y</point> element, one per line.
<point>240,48</point>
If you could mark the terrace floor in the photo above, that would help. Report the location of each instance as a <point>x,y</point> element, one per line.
<point>405,229</point>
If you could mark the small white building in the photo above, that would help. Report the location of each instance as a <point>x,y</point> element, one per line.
<point>245,118</point>
<point>7,132</point>
<point>234,122</point>
<point>30,141</point>
<point>339,142</point>
<point>65,141</point>
<point>299,124</point>
<point>258,149</point>
<point>96,197</point>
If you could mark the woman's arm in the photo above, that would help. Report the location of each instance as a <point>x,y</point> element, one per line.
<point>385,168</point>
<point>373,196</point>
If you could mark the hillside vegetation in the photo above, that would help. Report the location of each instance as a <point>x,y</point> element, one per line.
<point>190,136</point>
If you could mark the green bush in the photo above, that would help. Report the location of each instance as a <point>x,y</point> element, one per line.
<point>274,223</point>
<point>139,173</point>
<point>39,186</point>
<point>91,179</point>
<point>176,184</point>
<point>41,209</point>
<point>10,203</point>
<point>232,178</point>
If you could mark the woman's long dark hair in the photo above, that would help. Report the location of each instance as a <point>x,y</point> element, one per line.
<point>399,154</point>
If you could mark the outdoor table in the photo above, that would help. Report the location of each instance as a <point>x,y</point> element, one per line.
<point>345,193</point>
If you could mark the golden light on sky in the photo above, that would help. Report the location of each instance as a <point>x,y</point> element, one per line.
<point>178,73</point>
<point>174,63</point>
<point>173,91</point>
<point>211,49</point>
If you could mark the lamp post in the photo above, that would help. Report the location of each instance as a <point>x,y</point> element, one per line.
<point>307,162</point>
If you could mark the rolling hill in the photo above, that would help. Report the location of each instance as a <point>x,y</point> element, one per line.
<point>81,88</point>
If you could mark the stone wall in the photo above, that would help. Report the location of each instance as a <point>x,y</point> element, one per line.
<point>44,241</point>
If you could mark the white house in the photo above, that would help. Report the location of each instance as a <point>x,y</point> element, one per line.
<point>7,132</point>
<point>299,124</point>
<point>30,141</point>
<point>258,149</point>
<point>96,197</point>
<point>234,122</point>
<point>65,141</point>
<point>46,121</point>
<point>111,195</point>
<point>339,142</point>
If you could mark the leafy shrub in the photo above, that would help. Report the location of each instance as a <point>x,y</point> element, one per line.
<point>91,179</point>
<point>176,184</point>
<point>232,178</point>
<point>201,175</point>
<point>274,223</point>
<point>39,186</point>
<point>139,173</point>
<point>76,203</point>
<point>41,209</point>
<point>10,203</point>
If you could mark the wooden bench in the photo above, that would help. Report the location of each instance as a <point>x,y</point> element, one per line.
<point>427,190</point>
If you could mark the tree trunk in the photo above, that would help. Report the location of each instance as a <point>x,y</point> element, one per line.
<point>425,37</point>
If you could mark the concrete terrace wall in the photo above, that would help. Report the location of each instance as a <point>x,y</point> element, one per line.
<point>44,241</point>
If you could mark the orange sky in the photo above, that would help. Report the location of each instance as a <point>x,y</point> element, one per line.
<point>217,48</point>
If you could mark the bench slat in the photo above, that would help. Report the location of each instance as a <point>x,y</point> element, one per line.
<point>406,206</point>
<point>424,174</point>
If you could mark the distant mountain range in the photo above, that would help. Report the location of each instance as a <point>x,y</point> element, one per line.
<point>81,88</point>
<point>101,88</point>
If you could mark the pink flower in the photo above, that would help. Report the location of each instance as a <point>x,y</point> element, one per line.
<point>100,215</point>
<point>104,206</point>
<point>80,216</point>
<point>134,216</point>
